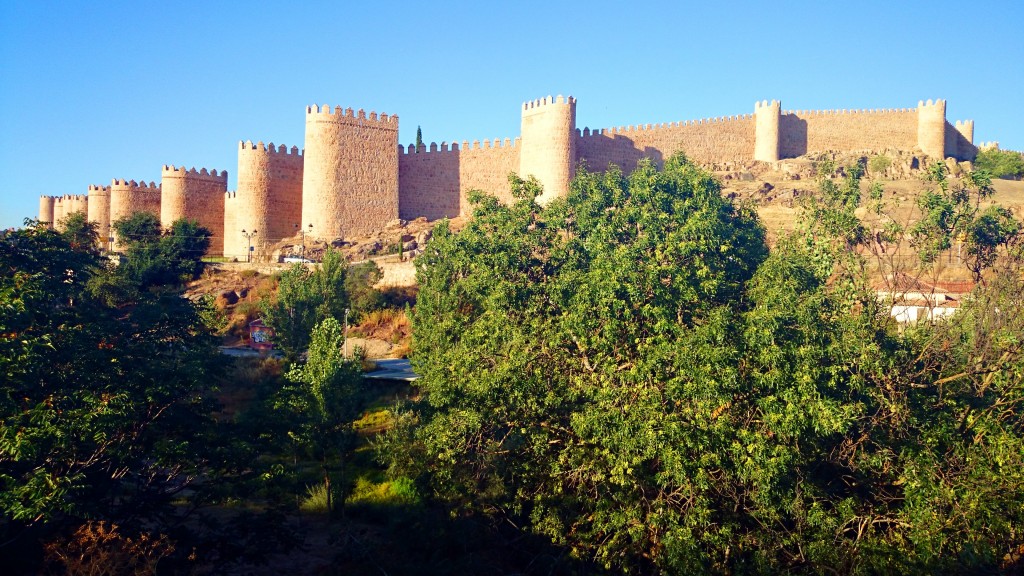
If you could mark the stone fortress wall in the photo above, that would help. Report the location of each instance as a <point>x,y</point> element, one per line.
<point>350,172</point>
<point>46,205</point>
<point>195,195</point>
<point>433,182</point>
<point>268,199</point>
<point>99,210</point>
<point>128,197</point>
<point>353,177</point>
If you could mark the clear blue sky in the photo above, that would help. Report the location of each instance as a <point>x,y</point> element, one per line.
<point>91,91</point>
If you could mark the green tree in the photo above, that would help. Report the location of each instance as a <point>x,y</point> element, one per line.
<point>359,285</point>
<point>568,355</point>
<point>139,227</point>
<point>324,400</point>
<point>79,232</point>
<point>104,410</point>
<point>630,373</point>
<point>156,257</point>
<point>304,298</point>
<point>419,139</point>
<point>1001,163</point>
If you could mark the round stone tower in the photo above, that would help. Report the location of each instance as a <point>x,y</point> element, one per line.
<point>46,210</point>
<point>548,144</point>
<point>268,199</point>
<point>767,116</point>
<point>60,203</point>
<point>79,203</point>
<point>99,210</point>
<point>350,172</point>
<point>196,195</point>
<point>128,197</point>
<point>931,128</point>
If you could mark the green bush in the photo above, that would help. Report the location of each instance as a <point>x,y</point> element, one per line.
<point>316,501</point>
<point>1001,163</point>
<point>398,493</point>
<point>879,163</point>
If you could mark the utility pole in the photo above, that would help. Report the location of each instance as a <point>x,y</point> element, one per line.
<point>346,333</point>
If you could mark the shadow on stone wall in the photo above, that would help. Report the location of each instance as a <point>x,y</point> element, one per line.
<point>792,136</point>
<point>598,151</point>
<point>958,146</point>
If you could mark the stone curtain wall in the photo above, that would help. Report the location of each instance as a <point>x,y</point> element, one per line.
<point>99,211</point>
<point>428,182</point>
<point>708,140</point>
<point>350,176</point>
<point>268,199</point>
<point>486,167</point>
<point>959,140</point>
<point>235,245</point>
<point>807,132</point>
<point>435,182</point>
<point>195,195</point>
<point>128,197</point>
<point>353,177</point>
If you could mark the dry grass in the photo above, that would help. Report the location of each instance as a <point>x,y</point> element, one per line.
<point>390,325</point>
<point>97,548</point>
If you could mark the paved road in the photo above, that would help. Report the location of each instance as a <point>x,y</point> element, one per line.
<point>246,352</point>
<point>387,368</point>
<point>393,369</point>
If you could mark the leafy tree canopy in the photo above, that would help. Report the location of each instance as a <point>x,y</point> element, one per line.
<point>304,298</point>
<point>630,373</point>
<point>156,257</point>
<point>359,285</point>
<point>79,232</point>
<point>324,399</point>
<point>103,411</point>
<point>1001,163</point>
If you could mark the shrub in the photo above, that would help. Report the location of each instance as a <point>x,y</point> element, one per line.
<point>879,163</point>
<point>398,492</point>
<point>316,501</point>
<point>98,548</point>
<point>1001,163</point>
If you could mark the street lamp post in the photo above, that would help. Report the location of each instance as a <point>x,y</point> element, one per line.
<point>303,232</point>
<point>248,236</point>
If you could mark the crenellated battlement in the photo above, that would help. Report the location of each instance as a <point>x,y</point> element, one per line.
<point>443,147</point>
<point>325,113</point>
<point>988,146</point>
<point>547,101</point>
<point>353,177</point>
<point>193,174</point>
<point>588,132</point>
<point>269,148</point>
<point>837,112</point>
<point>133,184</point>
